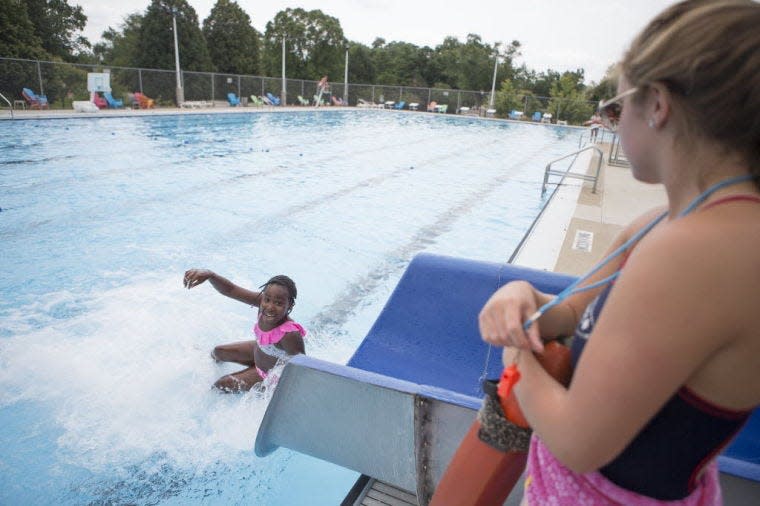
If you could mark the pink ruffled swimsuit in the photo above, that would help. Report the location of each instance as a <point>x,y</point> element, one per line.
<point>267,340</point>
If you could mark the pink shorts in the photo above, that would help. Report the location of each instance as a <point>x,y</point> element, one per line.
<point>261,373</point>
<point>547,481</point>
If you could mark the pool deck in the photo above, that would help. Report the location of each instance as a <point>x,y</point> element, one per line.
<point>578,225</point>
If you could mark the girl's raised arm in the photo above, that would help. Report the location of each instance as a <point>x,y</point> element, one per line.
<point>195,277</point>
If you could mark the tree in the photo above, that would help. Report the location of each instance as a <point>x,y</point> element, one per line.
<point>17,32</point>
<point>314,44</point>
<point>232,42</point>
<point>399,63</point>
<point>57,24</point>
<point>507,99</point>
<point>568,100</point>
<point>155,45</point>
<point>120,48</point>
<point>361,67</point>
<point>470,65</point>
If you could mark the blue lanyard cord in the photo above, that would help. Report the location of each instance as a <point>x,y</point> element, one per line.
<point>572,289</point>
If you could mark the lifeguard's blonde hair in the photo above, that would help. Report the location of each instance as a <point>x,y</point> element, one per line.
<point>707,53</point>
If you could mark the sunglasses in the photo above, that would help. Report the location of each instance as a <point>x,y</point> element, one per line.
<point>610,110</point>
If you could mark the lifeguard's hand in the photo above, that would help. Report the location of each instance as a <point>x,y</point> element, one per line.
<point>501,319</point>
<point>195,277</point>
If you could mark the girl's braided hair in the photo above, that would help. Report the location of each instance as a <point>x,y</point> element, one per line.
<point>286,283</point>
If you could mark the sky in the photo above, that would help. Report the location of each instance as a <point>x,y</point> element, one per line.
<point>554,34</point>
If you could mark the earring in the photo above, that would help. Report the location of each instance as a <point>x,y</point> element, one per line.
<point>651,123</point>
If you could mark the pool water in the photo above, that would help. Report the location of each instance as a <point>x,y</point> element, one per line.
<point>104,357</point>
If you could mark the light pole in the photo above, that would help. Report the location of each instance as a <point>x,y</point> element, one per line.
<point>345,81</point>
<point>493,84</point>
<point>284,94</point>
<point>180,92</point>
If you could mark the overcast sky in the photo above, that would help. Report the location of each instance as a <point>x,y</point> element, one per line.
<point>557,34</point>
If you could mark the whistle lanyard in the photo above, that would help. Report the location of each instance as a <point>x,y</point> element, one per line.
<point>573,288</point>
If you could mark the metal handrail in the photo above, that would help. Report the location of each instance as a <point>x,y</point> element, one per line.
<point>616,155</point>
<point>567,173</point>
<point>9,104</point>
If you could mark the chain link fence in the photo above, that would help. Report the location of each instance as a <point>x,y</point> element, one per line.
<point>64,83</point>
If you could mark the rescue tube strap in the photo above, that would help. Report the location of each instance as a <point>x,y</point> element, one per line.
<point>495,430</point>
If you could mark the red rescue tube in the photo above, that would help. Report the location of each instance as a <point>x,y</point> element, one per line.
<point>478,475</point>
<point>556,360</point>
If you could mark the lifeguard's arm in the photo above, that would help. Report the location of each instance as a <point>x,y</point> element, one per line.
<point>292,342</point>
<point>652,336</point>
<point>195,277</point>
<point>501,320</point>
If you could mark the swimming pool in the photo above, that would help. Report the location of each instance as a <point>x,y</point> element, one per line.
<point>104,366</point>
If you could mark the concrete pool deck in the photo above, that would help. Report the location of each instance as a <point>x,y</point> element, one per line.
<point>578,226</point>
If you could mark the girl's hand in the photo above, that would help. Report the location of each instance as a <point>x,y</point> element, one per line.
<point>195,277</point>
<point>501,319</point>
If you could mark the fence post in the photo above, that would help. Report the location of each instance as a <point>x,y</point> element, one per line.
<point>373,93</point>
<point>212,87</point>
<point>239,87</point>
<point>139,78</point>
<point>430,91</point>
<point>459,100</point>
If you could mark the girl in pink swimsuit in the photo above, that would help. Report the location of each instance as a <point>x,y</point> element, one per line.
<point>666,336</point>
<point>277,337</point>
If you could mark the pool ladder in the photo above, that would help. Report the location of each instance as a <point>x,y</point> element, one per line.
<point>9,104</point>
<point>566,173</point>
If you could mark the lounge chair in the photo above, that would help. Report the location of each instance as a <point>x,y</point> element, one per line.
<point>490,113</point>
<point>389,104</point>
<point>432,106</point>
<point>536,116</point>
<point>338,101</point>
<point>413,106</point>
<point>233,100</point>
<point>99,101</point>
<point>515,115</point>
<point>400,105</point>
<point>266,100</point>
<point>443,108</point>
<point>273,99</point>
<point>546,118</point>
<point>464,110</point>
<point>302,100</point>
<point>112,102</point>
<point>144,101</point>
<point>257,101</point>
<point>35,101</point>
<point>84,106</point>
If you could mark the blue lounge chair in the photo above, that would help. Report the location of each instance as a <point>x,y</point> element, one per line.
<point>112,102</point>
<point>233,99</point>
<point>400,105</point>
<point>537,116</point>
<point>35,101</point>
<point>273,99</point>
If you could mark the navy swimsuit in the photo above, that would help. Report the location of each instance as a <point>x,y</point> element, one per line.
<point>665,459</point>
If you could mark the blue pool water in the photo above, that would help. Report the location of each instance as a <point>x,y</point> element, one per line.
<point>104,357</point>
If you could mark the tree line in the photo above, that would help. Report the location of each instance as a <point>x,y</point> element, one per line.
<point>315,45</point>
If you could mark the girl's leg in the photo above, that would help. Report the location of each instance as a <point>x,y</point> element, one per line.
<point>240,352</point>
<point>240,381</point>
